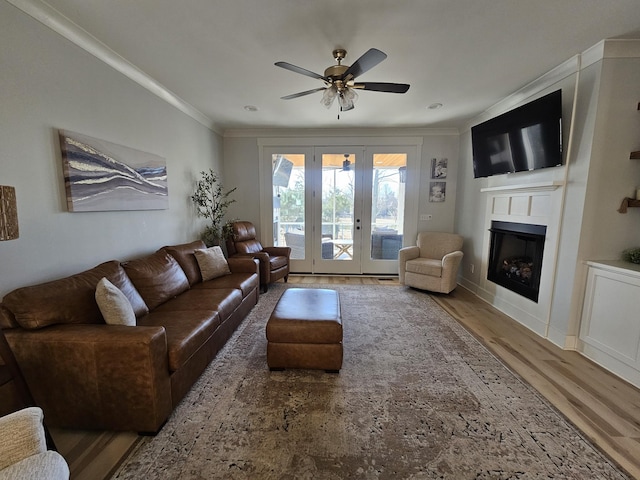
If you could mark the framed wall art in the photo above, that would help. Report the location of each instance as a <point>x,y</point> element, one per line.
<point>439,168</point>
<point>437,191</point>
<point>103,176</point>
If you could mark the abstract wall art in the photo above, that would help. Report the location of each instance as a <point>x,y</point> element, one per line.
<point>103,176</point>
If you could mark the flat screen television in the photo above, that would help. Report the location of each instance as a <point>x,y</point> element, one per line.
<point>526,138</point>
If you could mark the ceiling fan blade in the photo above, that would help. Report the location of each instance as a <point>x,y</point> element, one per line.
<point>383,87</point>
<point>367,61</point>
<point>303,71</point>
<point>302,94</point>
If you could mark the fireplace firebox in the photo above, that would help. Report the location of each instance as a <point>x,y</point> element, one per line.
<point>515,257</point>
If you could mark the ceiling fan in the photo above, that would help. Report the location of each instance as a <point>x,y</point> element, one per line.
<point>340,82</point>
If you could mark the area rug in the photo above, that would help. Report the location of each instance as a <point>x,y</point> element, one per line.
<point>418,397</point>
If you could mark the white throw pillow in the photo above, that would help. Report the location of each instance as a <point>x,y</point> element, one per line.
<point>212,263</point>
<point>114,305</point>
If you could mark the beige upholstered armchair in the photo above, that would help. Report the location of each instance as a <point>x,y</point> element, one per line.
<point>432,264</point>
<point>23,448</point>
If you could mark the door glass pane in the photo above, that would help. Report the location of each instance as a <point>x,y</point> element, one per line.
<point>338,183</point>
<point>288,203</point>
<point>387,204</point>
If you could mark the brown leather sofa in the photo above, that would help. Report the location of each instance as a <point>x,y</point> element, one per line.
<point>86,374</point>
<point>274,261</point>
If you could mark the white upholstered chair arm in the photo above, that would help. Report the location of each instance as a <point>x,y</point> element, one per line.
<point>408,253</point>
<point>450,263</point>
<point>23,448</point>
<point>22,436</point>
<point>452,259</point>
<point>405,254</point>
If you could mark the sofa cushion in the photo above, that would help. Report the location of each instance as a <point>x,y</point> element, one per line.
<point>185,331</point>
<point>183,254</point>
<point>212,263</point>
<point>222,300</point>
<point>120,279</point>
<point>114,305</point>
<point>157,277</point>
<point>246,282</point>
<point>66,300</point>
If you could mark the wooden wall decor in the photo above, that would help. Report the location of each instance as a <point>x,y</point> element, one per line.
<point>8,213</point>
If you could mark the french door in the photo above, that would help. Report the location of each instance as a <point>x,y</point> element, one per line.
<point>341,209</point>
<point>338,208</point>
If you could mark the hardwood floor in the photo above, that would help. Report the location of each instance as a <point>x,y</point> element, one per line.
<point>605,408</point>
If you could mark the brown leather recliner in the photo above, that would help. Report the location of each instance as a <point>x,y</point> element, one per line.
<point>274,261</point>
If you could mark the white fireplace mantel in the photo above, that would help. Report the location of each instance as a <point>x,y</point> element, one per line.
<point>533,203</point>
<point>526,187</point>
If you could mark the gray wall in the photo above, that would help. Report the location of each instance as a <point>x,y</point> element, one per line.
<point>46,84</point>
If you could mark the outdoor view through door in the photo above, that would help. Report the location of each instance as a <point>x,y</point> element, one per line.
<point>343,213</point>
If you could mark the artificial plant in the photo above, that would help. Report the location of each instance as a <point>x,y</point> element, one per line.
<point>212,203</point>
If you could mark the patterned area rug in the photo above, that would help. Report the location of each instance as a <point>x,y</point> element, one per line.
<point>418,397</point>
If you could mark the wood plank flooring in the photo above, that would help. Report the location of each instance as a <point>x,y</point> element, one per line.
<point>605,408</point>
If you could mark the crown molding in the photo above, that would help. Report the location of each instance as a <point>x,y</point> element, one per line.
<point>338,132</point>
<point>60,24</point>
<point>552,77</point>
<point>611,48</point>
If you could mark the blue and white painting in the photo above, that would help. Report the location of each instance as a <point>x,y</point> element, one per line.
<point>102,176</point>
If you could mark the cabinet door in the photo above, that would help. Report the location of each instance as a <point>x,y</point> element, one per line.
<point>610,319</point>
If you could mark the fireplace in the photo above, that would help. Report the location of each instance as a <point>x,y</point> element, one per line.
<point>515,257</point>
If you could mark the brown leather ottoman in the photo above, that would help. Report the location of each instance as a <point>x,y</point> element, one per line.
<point>305,331</point>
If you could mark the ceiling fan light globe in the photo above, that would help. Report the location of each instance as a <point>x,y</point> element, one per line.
<point>328,96</point>
<point>346,99</point>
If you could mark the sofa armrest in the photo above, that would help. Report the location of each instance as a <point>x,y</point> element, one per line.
<point>263,261</point>
<point>278,251</point>
<point>107,377</point>
<point>244,265</point>
<point>23,436</point>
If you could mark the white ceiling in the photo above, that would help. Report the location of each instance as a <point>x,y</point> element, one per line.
<point>218,55</point>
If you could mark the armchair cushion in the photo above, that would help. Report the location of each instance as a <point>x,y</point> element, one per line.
<point>425,266</point>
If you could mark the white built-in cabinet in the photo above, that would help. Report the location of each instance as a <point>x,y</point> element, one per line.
<point>610,326</point>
